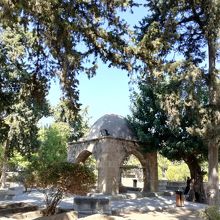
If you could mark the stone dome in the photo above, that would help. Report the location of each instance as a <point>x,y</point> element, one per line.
<point>111,125</point>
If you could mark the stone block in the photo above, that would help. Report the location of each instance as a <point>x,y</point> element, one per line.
<point>20,207</point>
<point>6,195</point>
<point>91,205</point>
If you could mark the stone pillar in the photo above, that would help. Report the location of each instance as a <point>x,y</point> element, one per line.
<point>108,169</point>
<point>150,173</point>
<point>71,152</point>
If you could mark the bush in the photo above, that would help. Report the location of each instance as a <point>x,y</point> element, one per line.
<point>63,177</point>
<point>212,213</point>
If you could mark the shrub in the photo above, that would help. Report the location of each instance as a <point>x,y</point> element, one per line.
<point>60,178</point>
<point>212,213</point>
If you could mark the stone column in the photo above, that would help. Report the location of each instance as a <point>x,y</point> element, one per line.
<point>108,168</point>
<point>150,172</point>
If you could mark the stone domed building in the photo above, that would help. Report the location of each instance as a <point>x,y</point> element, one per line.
<point>110,140</point>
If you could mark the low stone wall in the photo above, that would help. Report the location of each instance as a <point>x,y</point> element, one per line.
<point>19,207</point>
<point>171,185</point>
<point>175,185</point>
<point>6,194</point>
<point>91,205</point>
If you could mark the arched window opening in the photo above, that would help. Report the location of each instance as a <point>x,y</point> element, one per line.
<point>132,173</point>
<point>91,162</point>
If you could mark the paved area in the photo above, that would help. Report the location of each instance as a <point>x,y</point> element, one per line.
<point>132,207</point>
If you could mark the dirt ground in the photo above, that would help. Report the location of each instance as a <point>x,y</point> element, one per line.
<point>173,214</point>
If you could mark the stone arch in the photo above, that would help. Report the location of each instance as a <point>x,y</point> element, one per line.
<point>135,173</point>
<point>83,156</point>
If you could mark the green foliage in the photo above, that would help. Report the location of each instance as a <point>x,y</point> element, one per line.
<point>131,160</point>
<point>156,125</point>
<point>27,178</point>
<point>91,164</point>
<point>71,38</point>
<point>172,170</point>
<point>53,139</point>
<point>66,177</point>
<point>59,178</point>
<point>78,122</point>
<point>35,48</point>
<point>22,93</point>
<point>178,42</point>
<point>53,147</point>
<point>18,162</point>
<point>147,119</point>
<point>163,165</point>
<point>161,118</point>
<point>131,166</point>
<point>212,213</point>
<point>173,42</point>
<point>177,172</point>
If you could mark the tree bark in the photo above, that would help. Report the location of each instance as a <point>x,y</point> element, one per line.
<point>212,127</point>
<point>51,204</point>
<point>4,165</point>
<point>197,174</point>
<point>213,182</point>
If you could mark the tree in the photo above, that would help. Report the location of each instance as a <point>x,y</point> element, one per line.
<point>53,140</point>
<point>23,97</point>
<point>66,42</point>
<point>71,37</point>
<point>167,131</point>
<point>78,123</point>
<point>62,177</point>
<point>187,30</point>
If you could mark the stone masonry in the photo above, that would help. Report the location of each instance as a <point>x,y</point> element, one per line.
<point>110,141</point>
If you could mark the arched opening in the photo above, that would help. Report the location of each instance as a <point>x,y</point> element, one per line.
<point>131,174</point>
<point>89,160</point>
<point>82,157</point>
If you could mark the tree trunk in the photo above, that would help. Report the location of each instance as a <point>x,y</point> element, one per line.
<point>51,203</point>
<point>197,174</point>
<point>212,127</point>
<point>4,165</point>
<point>213,182</point>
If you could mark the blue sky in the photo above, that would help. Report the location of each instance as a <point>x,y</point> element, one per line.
<point>105,93</point>
<point>108,91</point>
